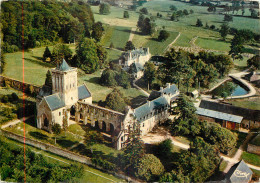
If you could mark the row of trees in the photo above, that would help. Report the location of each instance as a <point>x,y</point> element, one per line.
<point>38,169</point>
<point>44,22</point>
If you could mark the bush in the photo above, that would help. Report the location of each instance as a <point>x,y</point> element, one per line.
<point>163,35</point>
<point>14,96</point>
<point>149,168</point>
<point>5,99</point>
<point>165,148</point>
<point>104,164</point>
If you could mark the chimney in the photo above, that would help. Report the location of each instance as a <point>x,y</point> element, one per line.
<point>168,85</point>
<point>149,103</point>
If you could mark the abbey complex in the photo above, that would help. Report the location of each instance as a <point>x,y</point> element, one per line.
<point>67,100</point>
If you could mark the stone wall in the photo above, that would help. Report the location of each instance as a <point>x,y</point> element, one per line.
<point>19,85</point>
<point>253,149</point>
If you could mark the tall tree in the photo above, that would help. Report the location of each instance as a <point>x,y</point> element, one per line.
<point>48,80</point>
<point>224,29</point>
<point>87,56</point>
<point>56,129</point>
<point>47,53</point>
<point>254,62</point>
<point>126,14</point>
<point>97,31</point>
<point>61,51</point>
<point>199,23</point>
<point>129,46</point>
<point>149,73</point>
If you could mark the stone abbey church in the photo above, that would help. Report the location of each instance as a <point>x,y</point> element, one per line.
<point>68,100</point>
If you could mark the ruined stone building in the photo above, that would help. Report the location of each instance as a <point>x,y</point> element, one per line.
<point>68,101</point>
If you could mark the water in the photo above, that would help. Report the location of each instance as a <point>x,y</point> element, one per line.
<point>229,88</point>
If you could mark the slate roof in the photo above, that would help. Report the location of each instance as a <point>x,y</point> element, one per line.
<point>167,90</point>
<point>54,101</point>
<point>64,66</point>
<point>170,90</point>
<point>138,67</point>
<point>219,115</point>
<point>239,173</point>
<point>45,91</point>
<point>136,53</point>
<point>248,114</point>
<point>83,92</point>
<point>147,108</point>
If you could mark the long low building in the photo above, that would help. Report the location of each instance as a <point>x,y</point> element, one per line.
<point>229,116</point>
<point>224,119</point>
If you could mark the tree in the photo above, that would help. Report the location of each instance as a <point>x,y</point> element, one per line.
<point>129,46</point>
<point>87,57</point>
<point>149,73</point>
<point>163,35</point>
<point>173,8</point>
<point>104,9</point>
<point>108,78</point>
<point>46,54</point>
<point>185,12</point>
<point>165,148</point>
<point>174,16</point>
<point>61,51</point>
<point>199,23</point>
<point>133,150</point>
<point>144,11</point>
<point>224,29</point>
<point>212,9</point>
<point>140,21</point>
<point>97,31</point>
<point>126,14</point>
<point>236,47</point>
<point>145,25</point>
<point>111,45</point>
<point>253,13</point>
<point>254,62</point>
<point>149,168</point>
<point>48,80</point>
<point>228,18</point>
<point>224,64</point>
<point>212,27</point>
<point>56,129</point>
<point>191,11</point>
<point>116,101</point>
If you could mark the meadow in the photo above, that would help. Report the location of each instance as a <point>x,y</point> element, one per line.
<point>207,38</point>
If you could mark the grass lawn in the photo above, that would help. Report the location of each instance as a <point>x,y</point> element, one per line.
<point>116,35</point>
<point>100,92</point>
<point>257,172</point>
<point>208,43</point>
<point>251,158</point>
<point>183,40</point>
<point>90,174</point>
<point>183,140</point>
<point>223,165</point>
<point>64,140</point>
<point>251,103</point>
<point>241,138</point>
<point>113,55</point>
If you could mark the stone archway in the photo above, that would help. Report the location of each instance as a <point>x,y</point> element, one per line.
<point>96,125</point>
<point>72,110</point>
<point>45,121</point>
<point>111,128</point>
<point>104,126</point>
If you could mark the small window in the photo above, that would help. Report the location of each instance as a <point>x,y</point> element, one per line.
<point>143,124</point>
<point>71,98</point>
<point>59,113</point>
<point>122,138</point>
<point>73,84</point>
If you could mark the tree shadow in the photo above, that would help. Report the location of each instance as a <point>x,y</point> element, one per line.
<point>124,30</point>
<point>39,58</point>
<point>220,22</point>
<point>65,143</point>
<point>38,135</point>
<point>94,80</point>
<point>39,62</point>
<point>153,39</point>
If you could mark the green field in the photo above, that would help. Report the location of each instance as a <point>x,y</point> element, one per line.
<point>251,158</point>
<point>184,40</point>
<point>253,103</point>
<point>116,35</point>
<point>208,43</point>
<point>156,47</point>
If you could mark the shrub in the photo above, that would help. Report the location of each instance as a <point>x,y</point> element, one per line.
<point>104,164</point>
<point>5,99</point>
<point>165,147</point>
<point>149,168</point>
<point>163,35</point>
